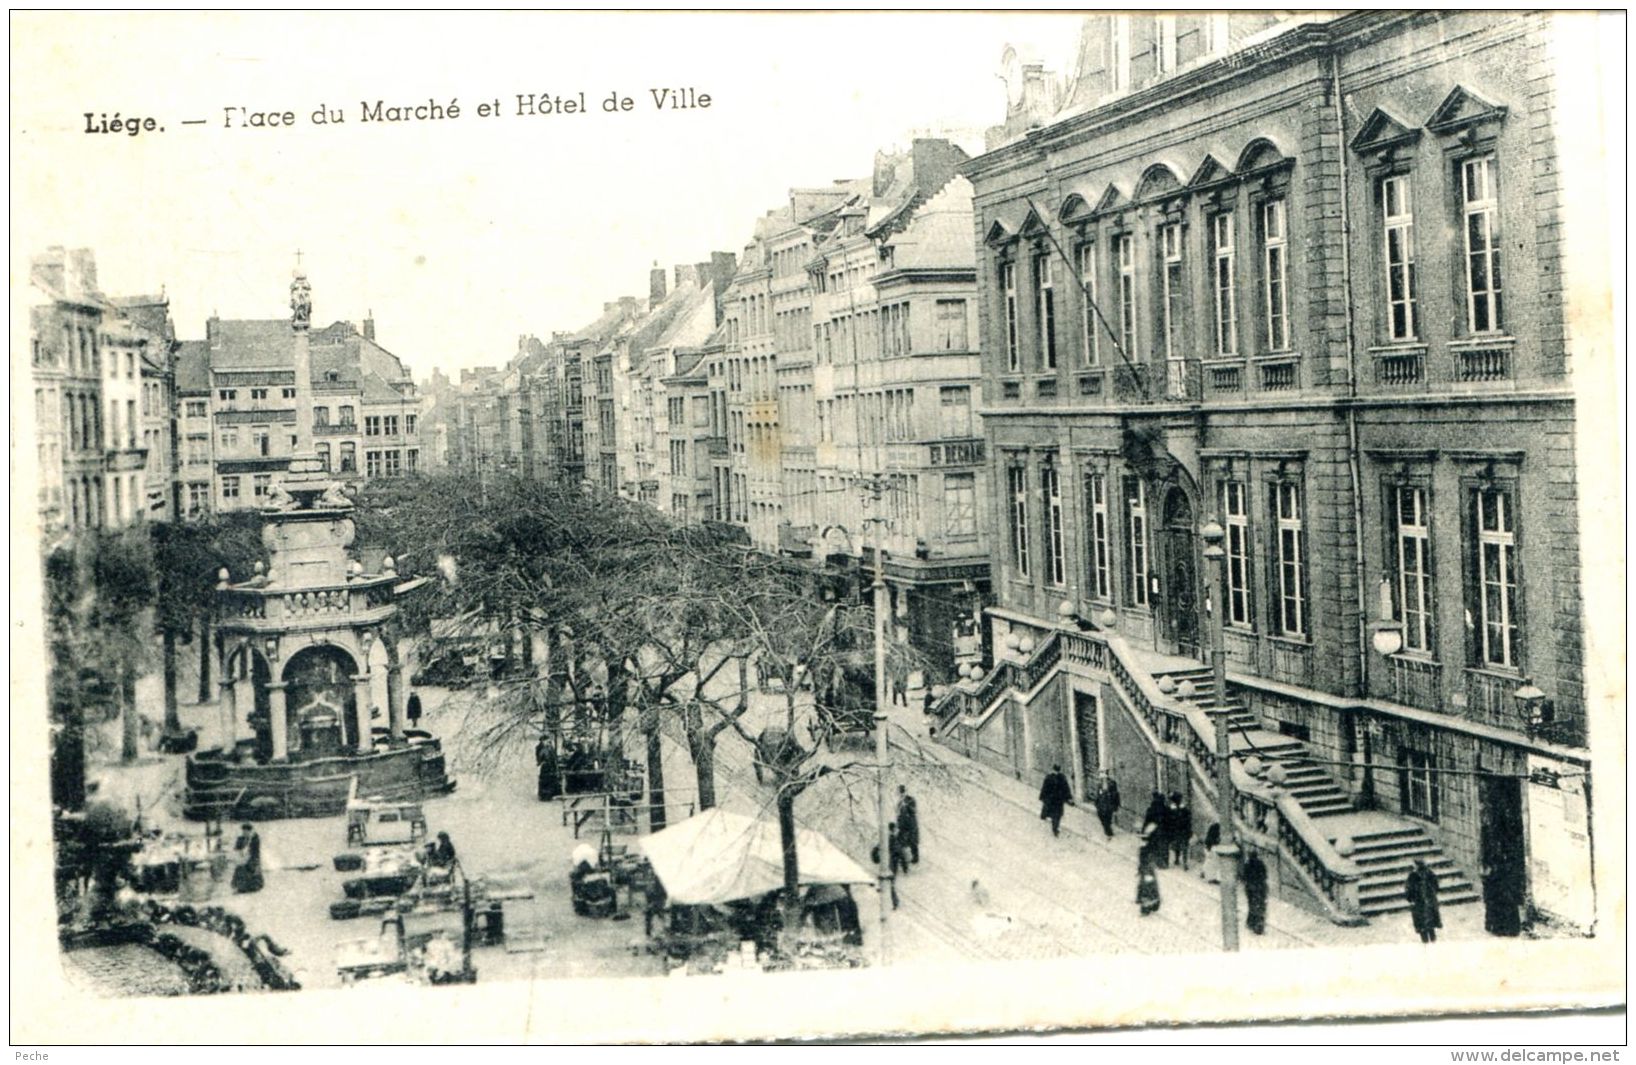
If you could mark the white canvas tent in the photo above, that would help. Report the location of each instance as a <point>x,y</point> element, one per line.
<point>717,856</point>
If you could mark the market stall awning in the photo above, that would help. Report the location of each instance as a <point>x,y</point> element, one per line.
<point>719,856</point>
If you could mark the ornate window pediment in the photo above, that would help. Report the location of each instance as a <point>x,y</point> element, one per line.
<point>1382,133</point>
<point>1464,109</point>
<point>998,234</point>
<point>1158,181</point>
<point>1209,172</point>
<point>1111,200</point>
<point>1032,225</point>
<point>1074,209</point>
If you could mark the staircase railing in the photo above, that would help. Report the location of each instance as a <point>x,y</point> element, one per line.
<point>965,700</point>
<point>1272,818</point>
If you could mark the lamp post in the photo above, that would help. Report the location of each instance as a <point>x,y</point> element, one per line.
<point>1212,534</point>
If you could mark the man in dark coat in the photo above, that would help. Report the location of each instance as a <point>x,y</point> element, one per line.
<point>1255,893</point>
<point>1421,890</point>
<point>413,709</point>
<point>909,824</point>
<point>550,782</point>
<point>247,877</point>
<point>1107,804</point>
<point>1158,816</point>
<point>1178,829</point>
<point>1055,794</point>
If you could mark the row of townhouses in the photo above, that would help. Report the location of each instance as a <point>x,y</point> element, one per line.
<point>132,424</point>
<point>1247,318</point>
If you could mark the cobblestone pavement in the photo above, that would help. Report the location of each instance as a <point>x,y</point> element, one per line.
<point>125,970</point>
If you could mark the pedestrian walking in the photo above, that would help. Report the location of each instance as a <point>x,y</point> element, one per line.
<point>1158,816</point>
<point>900,690</point>
<point>1210,868</point>
<point>895,858</point>
<point>1055,794</point>
<point>1107,804</point>
<point>909,824</point>
<point>847,911</point>
<point>1421,889</point>
<point>1147,879</point>
<point>1178,829</point>
<point>412,708</point>
<point>1255,893</point>
<point>247,877</point>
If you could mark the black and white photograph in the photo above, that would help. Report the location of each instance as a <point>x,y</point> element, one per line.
<point>678,527</point>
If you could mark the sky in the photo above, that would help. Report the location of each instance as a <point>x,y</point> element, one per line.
<point>462,234</point>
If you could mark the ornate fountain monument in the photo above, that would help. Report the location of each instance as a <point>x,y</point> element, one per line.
<point>296,641</point>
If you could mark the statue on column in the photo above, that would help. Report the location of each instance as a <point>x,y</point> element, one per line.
<point>300,301</point>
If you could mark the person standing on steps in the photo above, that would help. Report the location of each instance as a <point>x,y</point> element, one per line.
<point>1107,804</point>
<point>1055,794</point>
<point>1421,890</point>
<point>909,824</point>
<point>1255,893</point>
<point>412,709</point>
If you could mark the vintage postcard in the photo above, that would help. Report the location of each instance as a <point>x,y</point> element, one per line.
<point>645,527</point>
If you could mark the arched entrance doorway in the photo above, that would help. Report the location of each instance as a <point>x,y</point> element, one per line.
<point>320,699</point>
<point>1180,616</point>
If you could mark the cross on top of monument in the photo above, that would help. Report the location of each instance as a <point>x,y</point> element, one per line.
<point>298,258</point>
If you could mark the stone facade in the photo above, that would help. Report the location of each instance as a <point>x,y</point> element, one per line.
<point>1305,284</point>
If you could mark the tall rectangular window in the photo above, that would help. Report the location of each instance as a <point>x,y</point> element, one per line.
<point>1096,492</point>
<point>230,488</point>
<point>1291,552</point>
<point>955,407</point>
<point>372,463</point>
<point>323,454</point>
<point>1125,255</point>
<point>1414,587</point>
<point>393,462</point>
<point>1087,281</point>
<point>261,484</point>
<point>349,457</point>
<point>1137,545</point>
<point>1017,479</point>
<point>1480,207</point>
<point>1397,226</point>
<point>1418,783</point>
<point>1275,273</point>
<point>1170,284</point>
<point>951,325</point>
<point>1045,274</point>
<point>1119,53</point>
<point>1164,49</point>
<point>1224,282</point>
<point>1051,482</point>
<point>960,504</point>
<point>1008,280</point>
<point>1235,511</point>
<point>1496,578</point>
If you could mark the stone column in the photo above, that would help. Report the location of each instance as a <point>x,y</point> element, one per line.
<point>394,701</point>
<point>278,721</point>
<point>230,715</point>
<point>360,698</point>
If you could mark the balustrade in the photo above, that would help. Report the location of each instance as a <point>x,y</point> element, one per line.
<point>1417,682</point>
<point>1482,364</point>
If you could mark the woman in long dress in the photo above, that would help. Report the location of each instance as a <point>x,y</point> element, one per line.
<point>1147,879</point>
<point>1210,869</point>
<point>247,877</point>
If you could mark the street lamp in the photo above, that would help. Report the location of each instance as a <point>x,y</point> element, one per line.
<point>1538,712</point>
<point>1213,534</point>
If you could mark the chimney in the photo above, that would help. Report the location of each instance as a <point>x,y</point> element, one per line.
<point>723,265</point>
<point>49,269</point>
<point>369,326</point>
<point>82,273</point>
<point>656,285</point>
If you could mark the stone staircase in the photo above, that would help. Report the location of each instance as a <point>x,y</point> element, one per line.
<point>1383,845</point>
